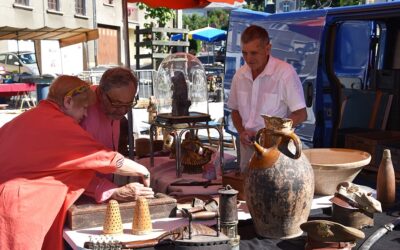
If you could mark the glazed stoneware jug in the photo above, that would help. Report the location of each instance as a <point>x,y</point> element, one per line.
<point>279,182</point>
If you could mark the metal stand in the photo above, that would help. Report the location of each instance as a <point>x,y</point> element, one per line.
<point>191,126</point>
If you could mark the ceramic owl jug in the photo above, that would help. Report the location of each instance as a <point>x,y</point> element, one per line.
<point>279,182</point>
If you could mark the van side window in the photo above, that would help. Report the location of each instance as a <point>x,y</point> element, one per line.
<point>2,58</point>
<point>351,53</point>
<point>12,60</point>
<point>356,48</point>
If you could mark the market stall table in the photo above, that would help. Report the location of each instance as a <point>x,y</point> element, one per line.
<point>21,91</point>
<point>77,238</point>
<point>248,237</point>
<point>163,173</point>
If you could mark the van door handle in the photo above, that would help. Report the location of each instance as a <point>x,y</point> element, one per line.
<point>309,93</point>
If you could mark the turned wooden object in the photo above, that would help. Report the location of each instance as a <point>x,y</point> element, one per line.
<point>386,183</point>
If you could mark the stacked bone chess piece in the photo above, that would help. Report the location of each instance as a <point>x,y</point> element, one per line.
<point>141,218</point>
<point>113,221</point>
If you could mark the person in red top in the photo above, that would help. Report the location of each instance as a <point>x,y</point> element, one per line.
<point>47,160</point>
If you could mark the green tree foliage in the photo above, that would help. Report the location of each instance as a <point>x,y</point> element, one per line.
<point>161,15</point>
<point>319,4</point>
<point>194,21</point>
<point>218,18</point>
<point>215,18</point>
<point>194,45</point>
<point>350,2</point>
<point>257,5</point>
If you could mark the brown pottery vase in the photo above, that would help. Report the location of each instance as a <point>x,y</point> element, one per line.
<point>279,182</point>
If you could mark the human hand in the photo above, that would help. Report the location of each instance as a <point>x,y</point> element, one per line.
<point>146,180</point>
<point>247,137</point>
<point>132,191</point>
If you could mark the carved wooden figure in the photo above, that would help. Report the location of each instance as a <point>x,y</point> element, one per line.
<point>180,97</point>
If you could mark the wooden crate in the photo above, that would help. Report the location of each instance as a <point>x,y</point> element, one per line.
<point>85,213</point>
<point>236,180</point>
<point>394,148</point>
<point>369,142</point>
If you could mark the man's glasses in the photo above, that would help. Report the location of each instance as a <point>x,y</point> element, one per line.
<point>77,90</point>
<point>120,104</point>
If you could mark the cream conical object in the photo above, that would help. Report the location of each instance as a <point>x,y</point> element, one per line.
<point>141,218</point>
<point>112,222</point>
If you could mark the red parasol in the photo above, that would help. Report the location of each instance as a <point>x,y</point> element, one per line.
<point>182,4</point>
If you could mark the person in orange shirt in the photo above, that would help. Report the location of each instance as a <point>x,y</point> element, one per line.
<point>47,160</point>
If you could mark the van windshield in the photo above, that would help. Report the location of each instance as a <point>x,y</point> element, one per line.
<point>28,58</point>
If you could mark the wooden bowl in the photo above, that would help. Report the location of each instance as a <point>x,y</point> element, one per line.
<point>335,165</point>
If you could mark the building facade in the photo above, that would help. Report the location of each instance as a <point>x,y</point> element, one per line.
<point>106,15</point>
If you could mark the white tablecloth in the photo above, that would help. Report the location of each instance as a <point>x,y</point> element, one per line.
<point>77,238</point>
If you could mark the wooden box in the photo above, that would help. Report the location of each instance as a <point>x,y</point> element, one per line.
<point>85,213</point>
<point>236,180</point>
<point>369,142</point>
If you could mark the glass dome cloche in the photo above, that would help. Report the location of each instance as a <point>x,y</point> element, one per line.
<point>180,87</point>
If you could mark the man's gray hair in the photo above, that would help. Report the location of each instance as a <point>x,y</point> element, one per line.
<point>117,77</point>
<point>254,32</point>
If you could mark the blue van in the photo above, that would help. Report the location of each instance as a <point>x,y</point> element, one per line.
<point>348,60</point>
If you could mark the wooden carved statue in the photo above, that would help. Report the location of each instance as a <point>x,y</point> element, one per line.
<point>180,100</point>
<point>152,109</point>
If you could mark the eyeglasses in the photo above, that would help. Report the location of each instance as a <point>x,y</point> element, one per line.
<point>77,90</point>
<point>120,104</point>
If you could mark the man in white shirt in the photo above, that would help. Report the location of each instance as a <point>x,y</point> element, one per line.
<point>264,85</point>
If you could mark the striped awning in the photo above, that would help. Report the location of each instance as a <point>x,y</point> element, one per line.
<point>65,36</point>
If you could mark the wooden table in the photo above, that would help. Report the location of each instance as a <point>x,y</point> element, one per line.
<point>76,238</point>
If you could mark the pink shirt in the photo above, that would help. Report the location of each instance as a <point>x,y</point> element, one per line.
<point>102,128</point>
<point>106,131</point>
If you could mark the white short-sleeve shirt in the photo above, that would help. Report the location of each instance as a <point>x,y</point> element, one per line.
<point>277,91</point>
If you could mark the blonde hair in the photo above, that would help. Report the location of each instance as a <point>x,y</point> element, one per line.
<point>66,84</point>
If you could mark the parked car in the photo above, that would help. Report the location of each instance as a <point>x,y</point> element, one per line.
<point>19,62</point>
